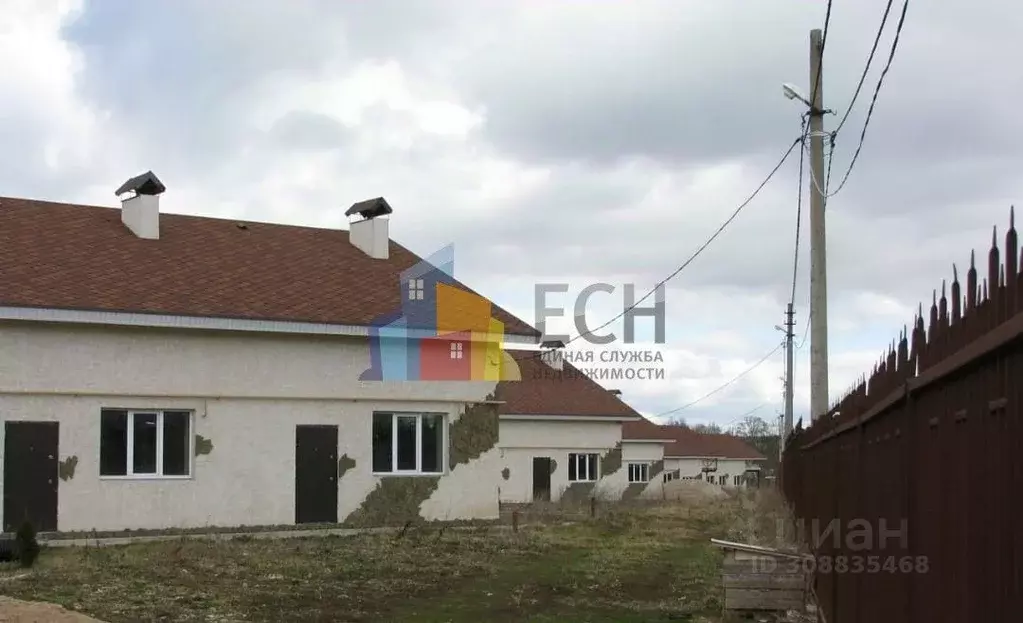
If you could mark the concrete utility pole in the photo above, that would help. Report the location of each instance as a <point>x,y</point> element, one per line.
<point>818,240</point>
<point>789,384</point>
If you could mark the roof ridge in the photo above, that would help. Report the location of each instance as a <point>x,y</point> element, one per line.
<point>177,215</point>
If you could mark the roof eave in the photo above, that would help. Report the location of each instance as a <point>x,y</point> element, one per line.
<point>176,321</point>
<point>545,417</point>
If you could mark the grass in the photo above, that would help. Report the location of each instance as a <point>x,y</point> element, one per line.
<point>651,563</point>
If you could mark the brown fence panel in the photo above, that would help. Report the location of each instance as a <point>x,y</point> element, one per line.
<point>910,490</point>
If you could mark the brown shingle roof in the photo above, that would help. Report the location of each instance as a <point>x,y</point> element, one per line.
<point>545,391</point>
<point>82,257</point>
<point>645,429</point>
<point>691,443</point>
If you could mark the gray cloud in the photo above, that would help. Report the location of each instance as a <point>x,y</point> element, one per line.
<point>306,130</point>
<point>645,124</point>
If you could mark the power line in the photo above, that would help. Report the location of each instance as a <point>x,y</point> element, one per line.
<point>702,247</point>
<point>734,379</point>
<point>802,340</point>
<point>866,68</point>
<point>738,419</point>
<point>873,101</point>
<point>824,40</point>
<point>799,208</point>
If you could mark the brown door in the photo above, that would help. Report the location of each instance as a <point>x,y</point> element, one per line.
<point>316,474</point>
<point>541,479</point>
<point>30,475</point>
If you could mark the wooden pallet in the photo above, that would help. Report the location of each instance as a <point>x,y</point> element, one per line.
<point>760,579</point>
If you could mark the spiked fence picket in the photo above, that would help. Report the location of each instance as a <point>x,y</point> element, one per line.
<point>929,446</point>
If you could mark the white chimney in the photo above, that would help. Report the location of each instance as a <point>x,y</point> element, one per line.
<point>141,211</point>
<point>553,354</point>
<point>370,234</point>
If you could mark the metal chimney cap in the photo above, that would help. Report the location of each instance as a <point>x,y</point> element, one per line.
<point>144,184</point>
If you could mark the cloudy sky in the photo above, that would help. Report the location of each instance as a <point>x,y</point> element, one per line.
<point>551,142</point>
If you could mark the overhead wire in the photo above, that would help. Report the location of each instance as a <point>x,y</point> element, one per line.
<point>727,427</point>
<point>866,68</point>
<point>824,40</point>
<point>725,385</point>
<point>799,210</point>
<point>873,101</point>
<point>802,340</point>
<point>699,250</point>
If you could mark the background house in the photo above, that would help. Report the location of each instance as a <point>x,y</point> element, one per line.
<point>722,459</point>
<point>179,371</point>
<point>561,434</point>
<point>643,449</point>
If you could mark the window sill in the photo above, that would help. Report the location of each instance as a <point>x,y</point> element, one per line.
<point>145,477</point>
<point>580,481</point>
<point>408,474</point>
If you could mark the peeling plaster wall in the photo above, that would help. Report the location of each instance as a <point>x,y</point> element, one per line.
<point>258,389</point>
<point>471,487</point>
<point>614,486</point>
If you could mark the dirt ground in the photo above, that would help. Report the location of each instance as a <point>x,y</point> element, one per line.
<point>17,611</point>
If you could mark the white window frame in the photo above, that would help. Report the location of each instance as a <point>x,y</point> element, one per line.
<point>418,471</point>
<point>456,350</point>
<point>416,289</point>
<point>580,461</point>
<point>130,445</point>
<point>643,470</point>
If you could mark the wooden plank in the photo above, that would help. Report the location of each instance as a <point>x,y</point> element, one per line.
<point>766,581</point>
<point>745,549</point>
<point>754,599</point>
<point>793,567</point>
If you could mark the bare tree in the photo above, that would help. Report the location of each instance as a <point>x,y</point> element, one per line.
<point>751,427</point>
<point>707,429</point>
<point>678,422</point>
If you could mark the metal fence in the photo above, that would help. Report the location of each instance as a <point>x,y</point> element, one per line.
<point>909,490</point>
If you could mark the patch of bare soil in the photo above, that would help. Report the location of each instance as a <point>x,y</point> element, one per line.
<point>17,611</point>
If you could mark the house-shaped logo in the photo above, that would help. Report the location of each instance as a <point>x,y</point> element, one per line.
<point>441,333</point>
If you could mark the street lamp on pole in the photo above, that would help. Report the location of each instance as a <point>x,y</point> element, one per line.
<point>818,239</point>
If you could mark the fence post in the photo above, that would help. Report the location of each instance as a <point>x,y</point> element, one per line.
<point>515,520</point>
<point>593,506</point>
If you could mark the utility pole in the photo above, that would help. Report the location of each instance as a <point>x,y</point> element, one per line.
<point>818,240</point>
<point>790,323</point>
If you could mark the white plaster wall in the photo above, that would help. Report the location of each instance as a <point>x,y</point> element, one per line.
<point>37,358</point>
<point>650,452</point>
<point>469,491</point>
<point>521,440</point>
<point>248,393</point>
<point>559,434</point>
